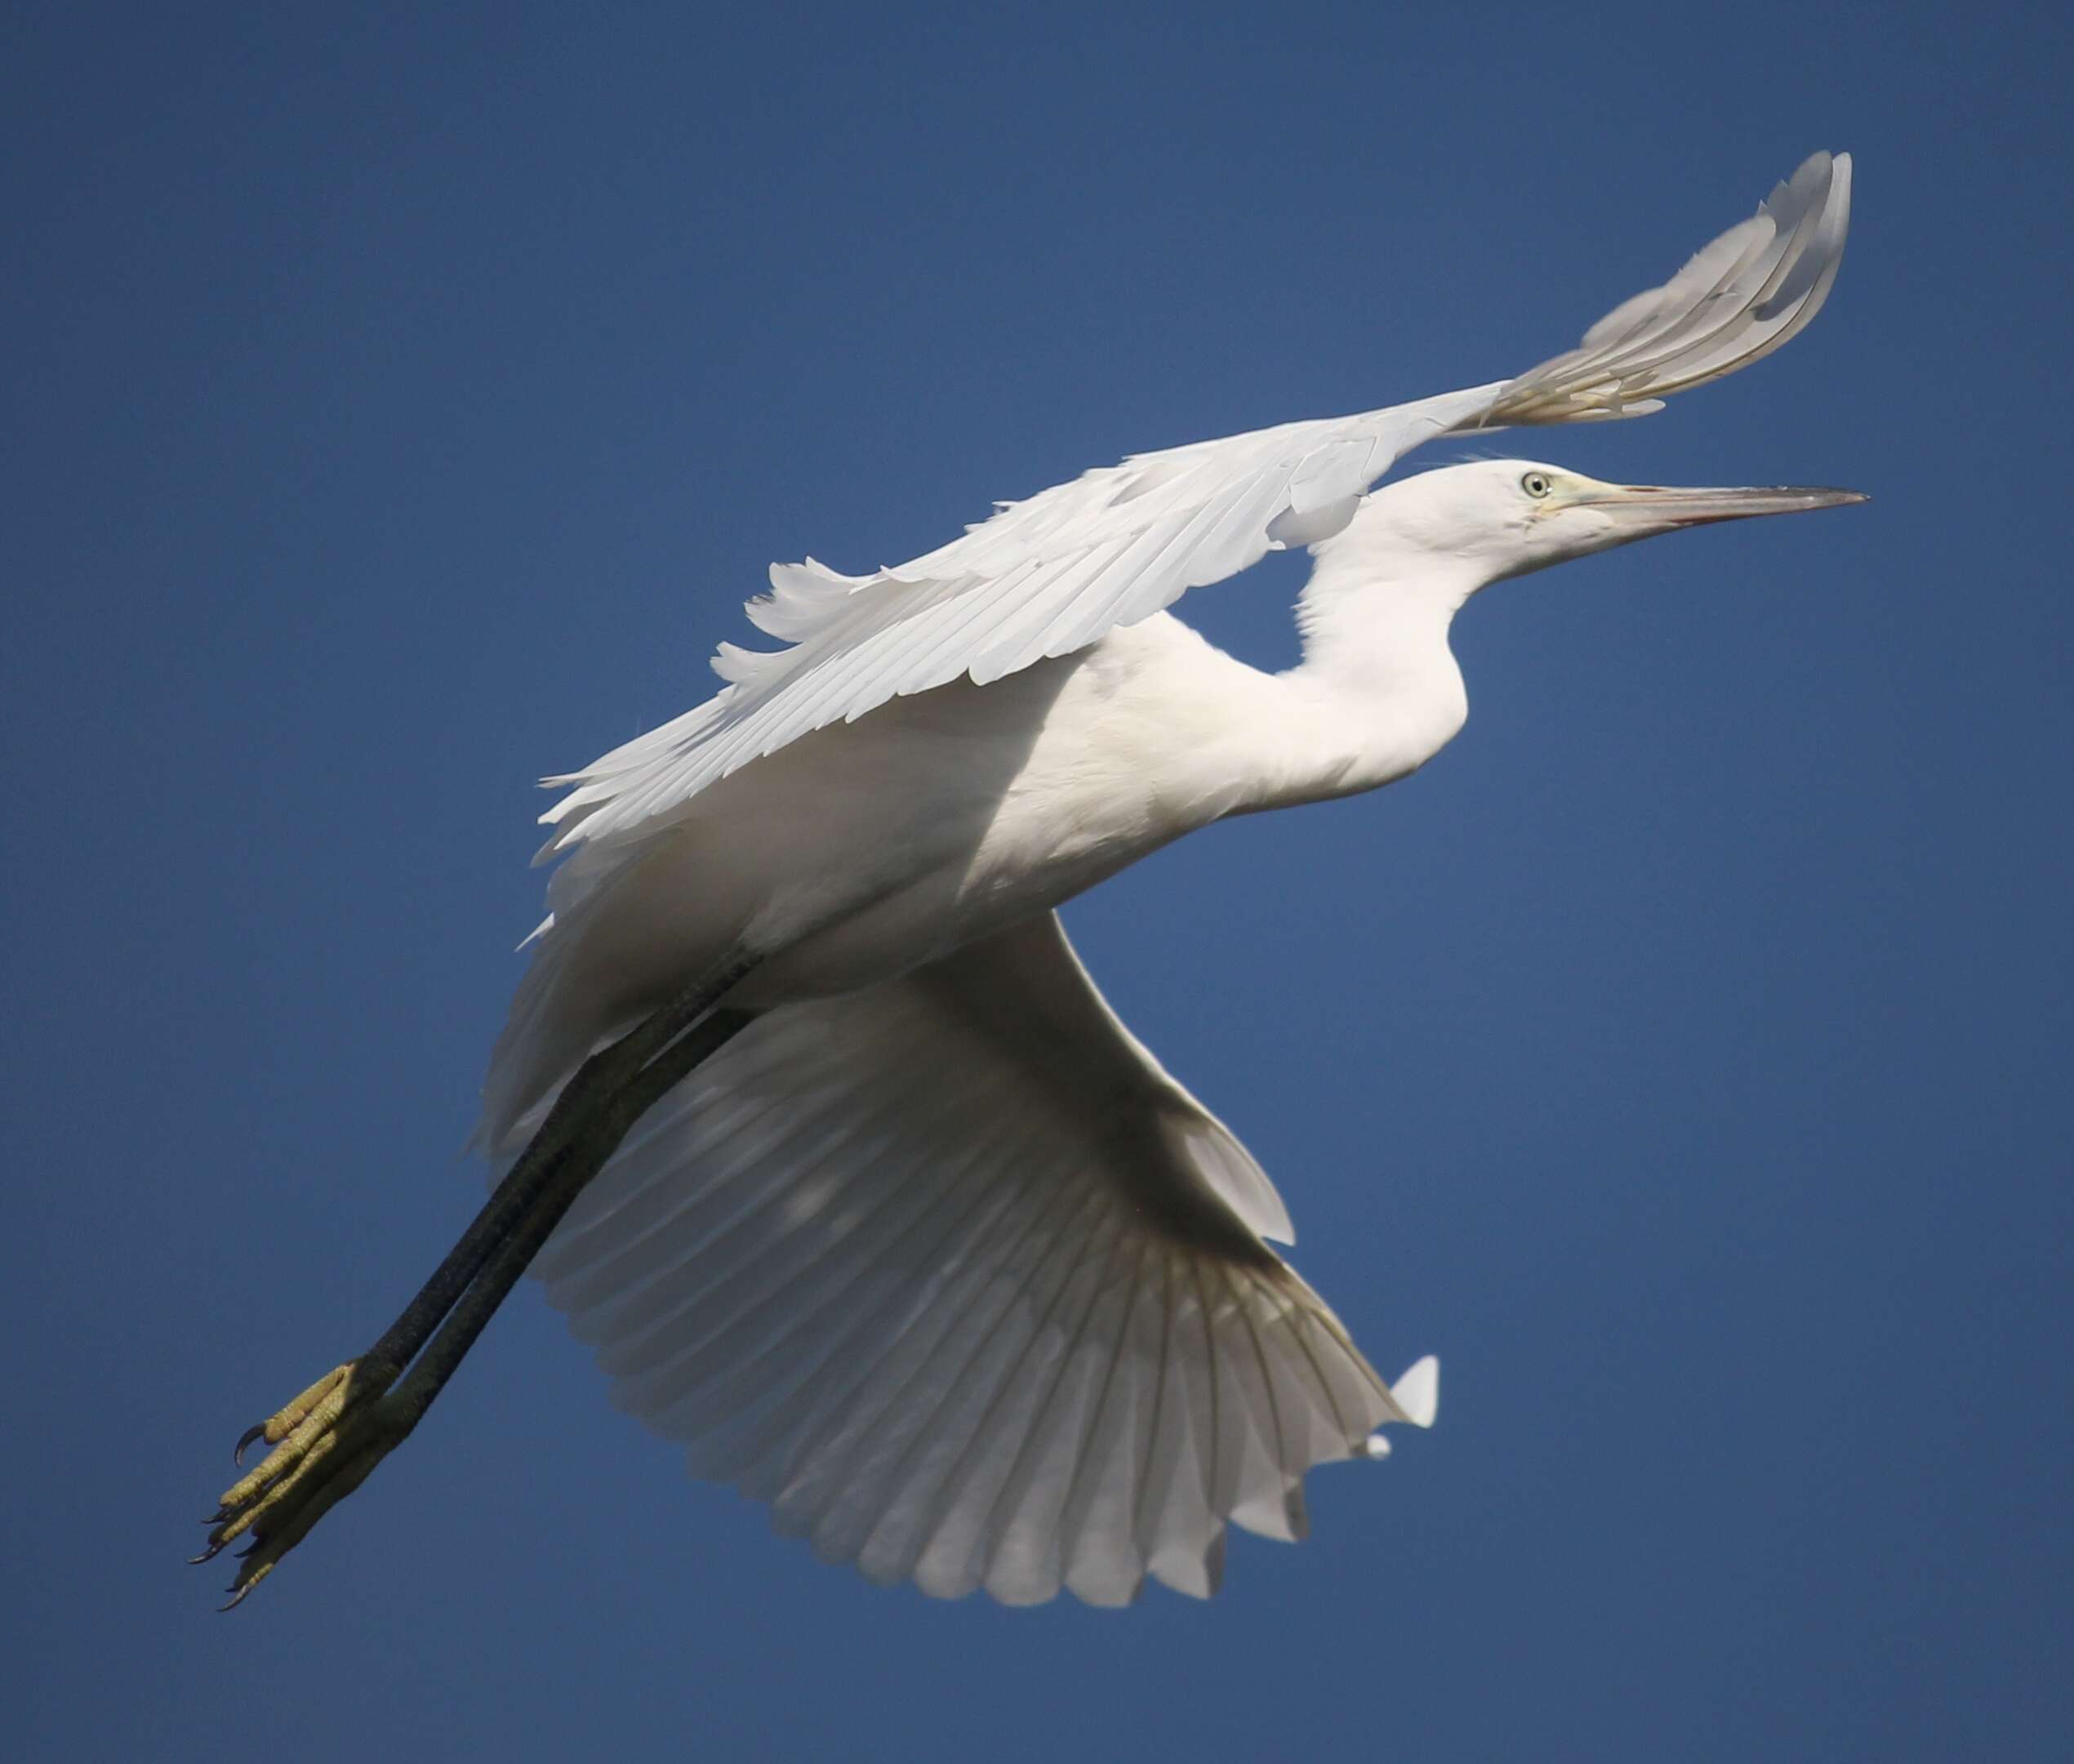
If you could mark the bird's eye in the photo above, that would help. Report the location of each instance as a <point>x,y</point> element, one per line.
<point>1536,484</point>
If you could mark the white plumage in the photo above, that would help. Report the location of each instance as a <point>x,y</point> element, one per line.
<point>1050,575</point>
<point>934,1257</point>
<point>932,1267</point>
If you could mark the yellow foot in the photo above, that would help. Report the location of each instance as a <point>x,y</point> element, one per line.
<point>325,1443</point>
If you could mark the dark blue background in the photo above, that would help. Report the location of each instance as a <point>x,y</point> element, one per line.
<point>397,407</point>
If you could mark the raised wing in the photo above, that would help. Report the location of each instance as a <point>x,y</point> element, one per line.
<point>1052,574</point>
<point>957,1278</point>
<point>1750,292</point>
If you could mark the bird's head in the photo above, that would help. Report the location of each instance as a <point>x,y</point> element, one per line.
<point>1481,522</point>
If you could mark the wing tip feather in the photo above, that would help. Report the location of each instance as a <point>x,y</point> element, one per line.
<point>1670,338</point>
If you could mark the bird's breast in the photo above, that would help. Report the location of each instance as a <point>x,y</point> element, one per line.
<point>988,804</point>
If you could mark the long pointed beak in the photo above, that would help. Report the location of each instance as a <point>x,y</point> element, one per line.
<point>1651,508</point>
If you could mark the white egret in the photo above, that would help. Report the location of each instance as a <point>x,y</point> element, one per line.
<point>817,1127</point>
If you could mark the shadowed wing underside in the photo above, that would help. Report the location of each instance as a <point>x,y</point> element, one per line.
<point>953,1276</point>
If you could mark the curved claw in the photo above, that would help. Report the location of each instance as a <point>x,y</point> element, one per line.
<point>323,1445</point>
<point>206,1555</point>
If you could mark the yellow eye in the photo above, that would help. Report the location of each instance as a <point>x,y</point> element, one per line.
<point>1536,484</point>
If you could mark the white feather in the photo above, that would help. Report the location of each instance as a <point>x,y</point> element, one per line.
<point>1055,573</point>
<point>868,1265</point>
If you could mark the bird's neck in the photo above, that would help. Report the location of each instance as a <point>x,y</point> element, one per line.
<point>1378,693</point>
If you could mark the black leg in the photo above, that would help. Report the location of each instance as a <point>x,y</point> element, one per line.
<point>327,1441</point>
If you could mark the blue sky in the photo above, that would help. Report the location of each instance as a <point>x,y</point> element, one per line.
<point>401,404</point>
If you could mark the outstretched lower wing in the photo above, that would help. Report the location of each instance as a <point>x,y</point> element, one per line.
<point>957,1278</point>
<point>1052,574</point>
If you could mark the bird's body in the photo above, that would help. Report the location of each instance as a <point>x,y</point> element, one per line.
<point>962,810</point>
<point>814,1123</point>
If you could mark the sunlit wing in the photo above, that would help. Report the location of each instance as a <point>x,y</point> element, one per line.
<point>1052,574</point>
<point>956,1277</point>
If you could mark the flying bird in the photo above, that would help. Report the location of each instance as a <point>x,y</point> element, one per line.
<point>806,1113</point>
